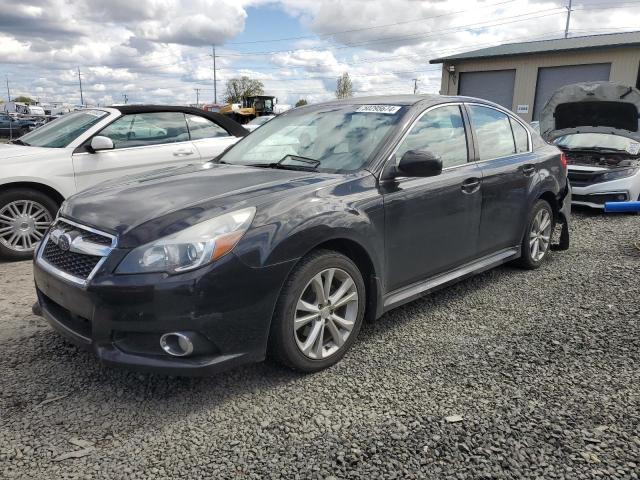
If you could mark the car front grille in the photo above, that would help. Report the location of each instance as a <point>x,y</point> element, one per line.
<point>75,264</point>
<point>74,261</point>
<point>581,178</point>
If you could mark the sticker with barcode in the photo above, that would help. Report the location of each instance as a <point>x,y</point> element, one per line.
<point>388,109</point>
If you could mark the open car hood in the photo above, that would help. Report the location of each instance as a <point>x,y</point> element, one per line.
<point>592,107</point>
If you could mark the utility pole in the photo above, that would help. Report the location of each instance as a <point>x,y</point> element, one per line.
<point>566,28</point>
<point>215,81</point>
<point>197,97</point>
<point>80,82</point>
<point>415,86</point>
<point>126,98</point>
<point>8,91</point>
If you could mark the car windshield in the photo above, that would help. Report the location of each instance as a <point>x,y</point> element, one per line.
<point>336,138</point>
<point>597,140</point>
<point>64,130</point>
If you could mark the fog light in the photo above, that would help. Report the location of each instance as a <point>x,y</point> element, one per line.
<point>176,344</point>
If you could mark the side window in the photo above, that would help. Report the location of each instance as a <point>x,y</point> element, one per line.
<point>200,127</point>
<point>521,136</point>
<point>493,132</point>
<point>142,129</point>
<point>441,132</point>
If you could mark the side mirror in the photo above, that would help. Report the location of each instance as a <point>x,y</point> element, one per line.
<point>101,143</point>
<point>416,163</point>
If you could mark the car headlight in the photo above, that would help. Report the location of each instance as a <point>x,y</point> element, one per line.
<point>619,173</point>
<point>190,248</point>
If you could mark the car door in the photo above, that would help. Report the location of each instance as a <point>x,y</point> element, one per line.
<point>432,223</point>
<point>508,168</point>
<point>4,125</point>
<point>142,142</point>
<point>208,137</point>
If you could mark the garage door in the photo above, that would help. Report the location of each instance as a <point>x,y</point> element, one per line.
<point>495,86</point>
<point>552,78</point>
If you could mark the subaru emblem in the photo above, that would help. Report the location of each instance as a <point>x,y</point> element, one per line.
<point>64,242</point>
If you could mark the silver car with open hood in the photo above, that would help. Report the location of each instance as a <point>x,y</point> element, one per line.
<point>596,126</point>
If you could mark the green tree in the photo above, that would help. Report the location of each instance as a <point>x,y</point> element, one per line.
<point>23,99</point>
<point>240,88</point>
<point>301,102</point>
<point>344,87</point>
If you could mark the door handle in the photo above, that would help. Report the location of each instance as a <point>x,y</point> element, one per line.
<point>471,185</point>
<point>528,170</point>
<point>182,153</point>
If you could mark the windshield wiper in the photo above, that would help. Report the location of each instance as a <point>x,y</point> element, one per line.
<point>308,164</point>
<point>593,149</point>
<point>17,141</point>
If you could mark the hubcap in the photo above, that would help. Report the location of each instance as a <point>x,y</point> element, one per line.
<point>540,235</point>
<point>326,313</point>
<point>23,223</point>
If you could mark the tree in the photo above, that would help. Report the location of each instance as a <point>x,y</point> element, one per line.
<point>23,99</point>
<point>240,88</point>
<point>301,102</point>
<point>344,88</point>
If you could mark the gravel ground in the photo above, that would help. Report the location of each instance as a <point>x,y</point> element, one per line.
<point>543,368</point>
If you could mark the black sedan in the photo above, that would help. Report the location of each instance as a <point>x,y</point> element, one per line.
<point>325,216</point>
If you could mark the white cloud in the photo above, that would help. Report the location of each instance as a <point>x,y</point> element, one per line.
<point>158,50</point>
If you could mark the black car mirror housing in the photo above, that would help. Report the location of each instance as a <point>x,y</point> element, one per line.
<point>418,163</point>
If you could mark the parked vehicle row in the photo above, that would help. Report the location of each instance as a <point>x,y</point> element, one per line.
<point>324,216</point>
<point>42,168</point>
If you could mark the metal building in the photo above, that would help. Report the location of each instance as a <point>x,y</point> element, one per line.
<point>522,76</point>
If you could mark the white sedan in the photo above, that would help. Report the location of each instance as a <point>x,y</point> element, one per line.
<point>42,168</point>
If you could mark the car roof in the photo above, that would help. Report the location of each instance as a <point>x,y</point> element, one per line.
<point>408,100</point>
<point>225,122</point>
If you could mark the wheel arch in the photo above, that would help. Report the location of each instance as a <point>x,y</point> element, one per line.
<point>358,254</point>
<point>51,192</point>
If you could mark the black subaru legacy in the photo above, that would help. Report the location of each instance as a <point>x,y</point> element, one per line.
<point>327,215</point>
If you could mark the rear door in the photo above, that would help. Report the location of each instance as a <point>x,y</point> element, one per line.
<point>209,138</point>
<point>432,223</point>
<point>142,141</point>
<point>503,152</point>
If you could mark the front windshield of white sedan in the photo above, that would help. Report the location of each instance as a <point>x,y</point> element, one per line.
<point>64,130</point>
<point>329,138</point>
<point>596,140</point>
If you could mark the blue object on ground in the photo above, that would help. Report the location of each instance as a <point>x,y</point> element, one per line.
<point>622,207</point>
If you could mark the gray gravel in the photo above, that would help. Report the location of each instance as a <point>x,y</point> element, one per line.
<point>511,374</point>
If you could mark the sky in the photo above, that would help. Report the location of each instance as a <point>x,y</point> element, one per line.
<point>159,51</point>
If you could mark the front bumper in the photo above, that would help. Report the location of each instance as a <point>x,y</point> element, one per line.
<point>121,318</point>
<point>597,194</point>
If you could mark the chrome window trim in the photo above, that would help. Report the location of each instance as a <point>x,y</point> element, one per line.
<point>413,124</point>
<point>64,275</point>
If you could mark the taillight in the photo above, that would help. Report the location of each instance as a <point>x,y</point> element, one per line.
<point>563,161</point>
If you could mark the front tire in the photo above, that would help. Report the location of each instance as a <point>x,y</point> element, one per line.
<point>319,313</point>
<point>537,238</point>
<point>25,215</point>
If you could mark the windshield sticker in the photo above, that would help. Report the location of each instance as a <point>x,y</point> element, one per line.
<point>633,148</point>
<point>387,109</point>
<point>96,113</point>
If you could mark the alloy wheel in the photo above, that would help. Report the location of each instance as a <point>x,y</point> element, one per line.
<point>325,313</point>
<point>540,234</point>
<point>23,224</point>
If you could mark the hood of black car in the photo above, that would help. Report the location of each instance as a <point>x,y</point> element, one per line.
<point>592,107</point>
<point>156,203</point>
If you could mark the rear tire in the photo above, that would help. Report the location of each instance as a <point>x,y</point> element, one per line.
<point>319,313</point>
<point>25,215</point>
<point>536,242</point>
